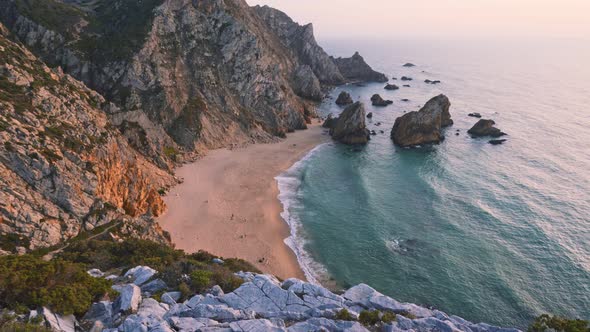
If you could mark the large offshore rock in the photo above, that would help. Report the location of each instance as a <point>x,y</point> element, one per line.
<point>357,70</point>
<point>377,100</point>
<point>423,126</point>
<point>344,99</point>
<point>485,127</point>
<point>350,127</point>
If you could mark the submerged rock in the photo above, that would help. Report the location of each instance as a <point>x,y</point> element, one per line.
<point>474,115</point>
<point>423,126</point>
<point>350,127</point>
<point>409,64</point>
<point>485,127</point>
<point>391,87</point>
<point>497,141</point>
<point>344,99</point>
<point>405,78</point>
<point>370,115</point>
<point>378,101</point>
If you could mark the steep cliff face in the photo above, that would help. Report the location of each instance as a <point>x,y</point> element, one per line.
<point>63,166</point>
<point>191,75</point>
<point>300,40</point>
<point>208,73</point>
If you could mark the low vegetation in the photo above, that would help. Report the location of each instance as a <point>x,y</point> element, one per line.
<point>559,324</point>
<point>173,265</point>
<point>27,282</point>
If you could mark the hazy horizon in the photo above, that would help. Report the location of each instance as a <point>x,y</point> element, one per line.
<point>382,19</point>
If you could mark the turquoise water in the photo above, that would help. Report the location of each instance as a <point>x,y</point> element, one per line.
<point>491,233</point>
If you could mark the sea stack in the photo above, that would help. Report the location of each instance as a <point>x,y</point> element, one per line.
<point>350,127</point>
<point>485,127</point>
<point>378,101</point>
<point>344,99</point>
<point>424,126</point>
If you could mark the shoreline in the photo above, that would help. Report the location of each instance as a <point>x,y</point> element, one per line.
<point>229,203</point>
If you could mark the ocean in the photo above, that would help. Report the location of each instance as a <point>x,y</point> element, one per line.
<point>496,234</point>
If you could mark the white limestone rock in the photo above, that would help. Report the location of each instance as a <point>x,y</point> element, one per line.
<point>140,274</point>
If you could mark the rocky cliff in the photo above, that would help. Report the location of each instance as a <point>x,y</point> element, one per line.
<point>192,74</point>
<point>64,168</point>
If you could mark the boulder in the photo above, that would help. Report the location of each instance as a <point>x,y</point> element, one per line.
<point>140,274</point>
<point>344,99</point>
<point>189,324</point>
<point>378,101</point>
<point>257,325</point>
<point>99,312</point>
<point>405,78</point>
<point>330,122</point>
<point>95,273</point>
<point>370,115</point>
<point>171,298</point>
<point>407,85</point>
<point>306,84</point>
<point>485,127</point>
<point>59,323</point>
<point>350,127</point>
<point>154,286</point>
<point>423,126</point>
<point>405,100</point>
<point>323,324</point>
<point>474,115</point>
<point>391,87</point>
<point>128,300</point>
<point>409,65</point>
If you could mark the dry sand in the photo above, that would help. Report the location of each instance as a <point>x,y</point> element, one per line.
<point>228,203</point>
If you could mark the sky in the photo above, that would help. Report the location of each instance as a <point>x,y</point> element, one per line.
<point>380,19</point>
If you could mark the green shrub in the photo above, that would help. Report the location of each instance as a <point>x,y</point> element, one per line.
<point>344,315</point>
<point>388,317</point>
<point>408,315</point>
<point>369,318</point>
<point>185,291</point>
<point>170,152</point>
<point>559,324</point>
<point>201,280</point>
<point>65,287</point>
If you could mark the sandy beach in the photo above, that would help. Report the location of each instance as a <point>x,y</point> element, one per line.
<point>228,205</point>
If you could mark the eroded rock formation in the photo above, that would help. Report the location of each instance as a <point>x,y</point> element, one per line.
<point>350,127</point>
<point>424,126</point>
<point>356,69</point>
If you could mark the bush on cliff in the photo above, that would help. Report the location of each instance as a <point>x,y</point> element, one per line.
<point>172,264</point>
<point>555,323</point>
<point>27,282</point>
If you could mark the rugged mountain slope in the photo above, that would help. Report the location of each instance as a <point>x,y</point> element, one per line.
<point>63,166</point>
<point>192,74</point>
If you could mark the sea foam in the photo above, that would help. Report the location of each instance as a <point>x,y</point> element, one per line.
<point>289,184</point>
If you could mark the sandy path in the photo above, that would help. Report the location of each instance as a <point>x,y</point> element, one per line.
<point>228,203</point>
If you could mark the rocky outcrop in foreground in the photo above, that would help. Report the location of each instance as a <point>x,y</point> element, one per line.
<point>424,126</point>
<point>350,127</point>
<point>485,127</point>
<point>261,303</point>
